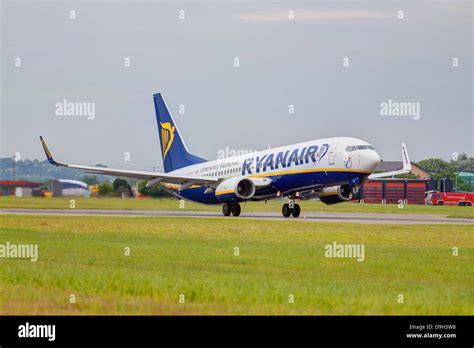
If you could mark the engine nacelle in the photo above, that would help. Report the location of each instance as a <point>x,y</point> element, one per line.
<point>235,190</point>
<point>336,194</point>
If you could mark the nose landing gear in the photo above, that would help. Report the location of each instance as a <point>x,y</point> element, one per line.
<point>291,209</point>
<point>231,208</point>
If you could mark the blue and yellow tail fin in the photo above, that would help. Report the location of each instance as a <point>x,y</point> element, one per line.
<point>173,150</point>
<point>49,156</point>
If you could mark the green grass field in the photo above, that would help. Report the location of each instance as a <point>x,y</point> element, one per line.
<point>84,256</point>
<point>275,205</point>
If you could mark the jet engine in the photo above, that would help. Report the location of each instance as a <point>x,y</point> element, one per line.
<point>336,194</point>
<point>235,190</point>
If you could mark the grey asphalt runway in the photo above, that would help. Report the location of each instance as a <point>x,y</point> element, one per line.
<point>364,218</point>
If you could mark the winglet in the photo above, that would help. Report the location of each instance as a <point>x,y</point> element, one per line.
<point>48,153</point>
<point>405,170</point>
<point>405,158</point>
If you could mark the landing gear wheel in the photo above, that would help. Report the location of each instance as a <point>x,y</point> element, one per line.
<point>296,210</point>
<point>226,209</point>
<point>286,211</point>
<point>235,209</point>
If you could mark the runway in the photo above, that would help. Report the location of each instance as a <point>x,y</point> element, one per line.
<point>363,218</point>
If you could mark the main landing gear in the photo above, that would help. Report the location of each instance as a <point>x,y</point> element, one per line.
<point>288,209</point>
<point>291,209</point>
<point>231,208</point>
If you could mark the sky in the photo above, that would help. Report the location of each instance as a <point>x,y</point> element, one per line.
<point>332,63</point>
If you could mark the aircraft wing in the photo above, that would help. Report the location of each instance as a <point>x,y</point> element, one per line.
<point>405,170</point>
<point>152,177</point>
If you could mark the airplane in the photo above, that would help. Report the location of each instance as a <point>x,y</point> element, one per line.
<point>330,169</point>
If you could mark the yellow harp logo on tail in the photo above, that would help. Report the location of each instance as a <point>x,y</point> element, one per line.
<point>167,137</point>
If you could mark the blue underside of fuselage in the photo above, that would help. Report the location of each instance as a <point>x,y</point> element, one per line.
<point>283,183</point>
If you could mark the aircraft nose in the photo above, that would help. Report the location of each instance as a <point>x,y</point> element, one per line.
<point>371,160</point>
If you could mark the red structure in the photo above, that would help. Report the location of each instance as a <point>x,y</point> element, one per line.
<point>394,191</point>
<point>7,187</point>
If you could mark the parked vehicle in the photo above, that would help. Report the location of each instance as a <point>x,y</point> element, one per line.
<point>449,198</point>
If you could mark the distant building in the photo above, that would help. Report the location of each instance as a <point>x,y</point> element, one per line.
<point>23,188</point>
<point>466,177</point>
<point>390,166</point>
<point>69,188</point>
<point>394,190</point>
<point>407,191</point>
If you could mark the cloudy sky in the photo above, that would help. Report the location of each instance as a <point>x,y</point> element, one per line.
<point>336,62</point>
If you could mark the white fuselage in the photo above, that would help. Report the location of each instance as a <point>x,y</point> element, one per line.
<point>297,167</point>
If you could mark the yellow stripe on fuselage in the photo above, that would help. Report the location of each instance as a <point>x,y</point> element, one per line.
<point>309,171</point>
